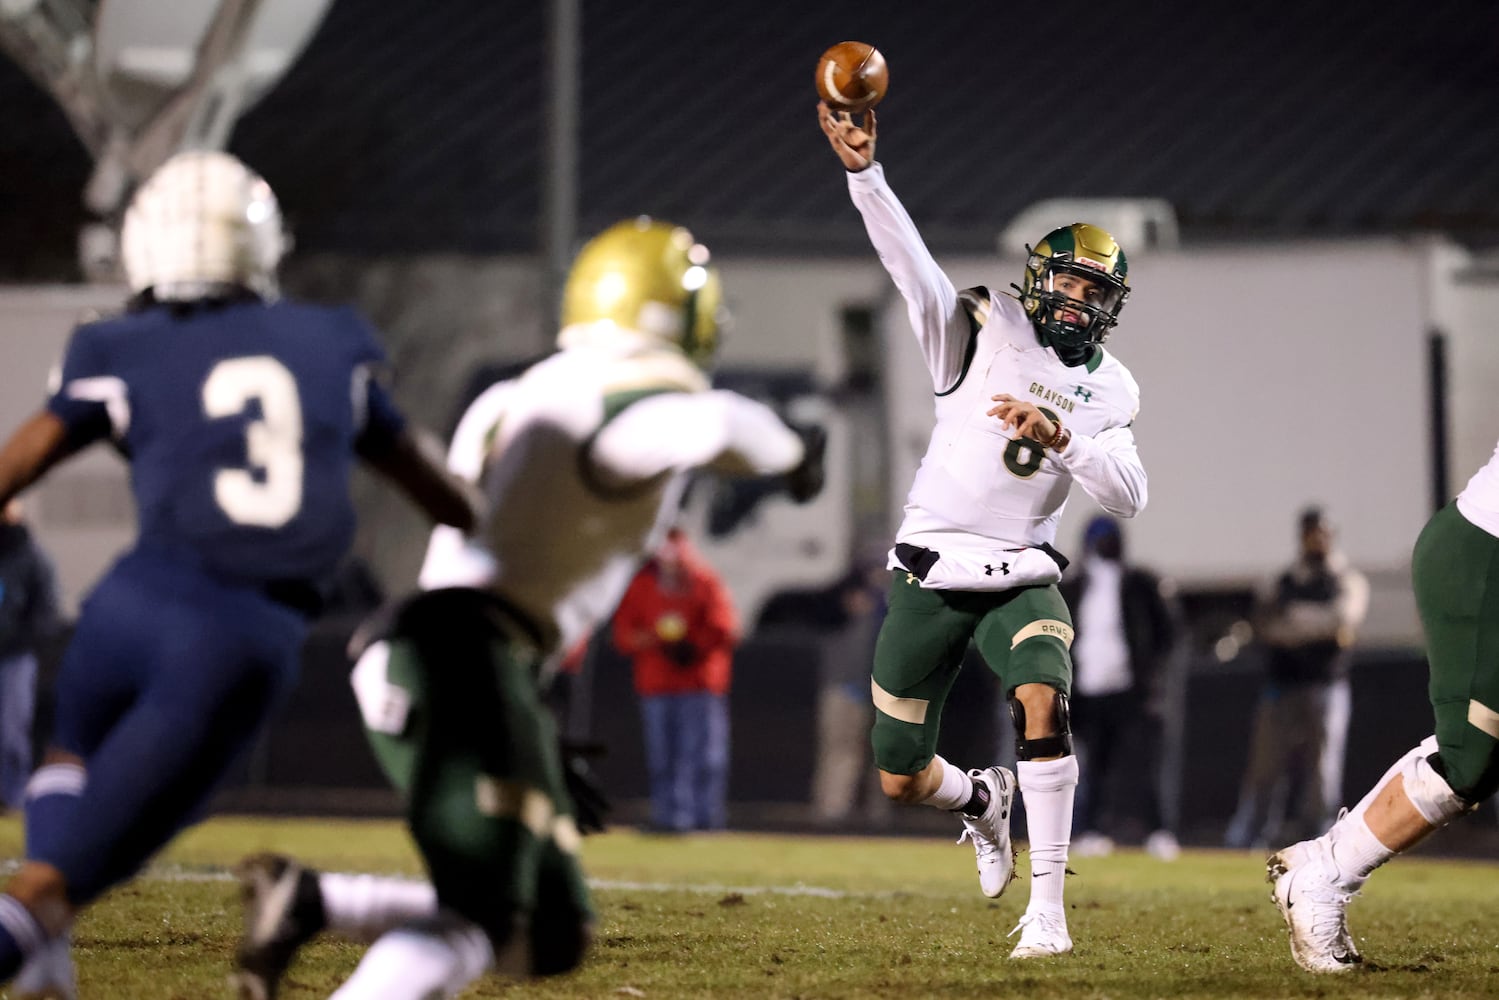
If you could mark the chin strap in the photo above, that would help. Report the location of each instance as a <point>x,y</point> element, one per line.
<point>1080,356</point>
<point>1071,356</point>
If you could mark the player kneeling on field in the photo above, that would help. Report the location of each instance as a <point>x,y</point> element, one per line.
<point>584,459</point>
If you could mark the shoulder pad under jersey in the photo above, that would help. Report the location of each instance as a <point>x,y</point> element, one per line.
<point>976,303</point>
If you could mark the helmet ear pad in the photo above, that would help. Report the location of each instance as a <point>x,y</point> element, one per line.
<point>1090,253</point>
<point>201,223</point>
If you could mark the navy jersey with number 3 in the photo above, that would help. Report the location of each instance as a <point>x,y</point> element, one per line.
<point>241,421</point>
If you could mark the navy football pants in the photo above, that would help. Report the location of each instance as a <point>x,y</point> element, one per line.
<point>167,680</point>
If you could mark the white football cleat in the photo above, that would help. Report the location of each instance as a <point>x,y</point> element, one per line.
<point>1091,845</point>
<point>47,974</point>
<point>1314,902</point>
<point>990,832</point>
<point>1043,933</point>
<point>1163,846</point>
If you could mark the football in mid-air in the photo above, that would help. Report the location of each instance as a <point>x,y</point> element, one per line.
<point>852,76</point>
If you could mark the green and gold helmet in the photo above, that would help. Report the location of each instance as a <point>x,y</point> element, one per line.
<point>650,278</point>
<point>1089,253</point>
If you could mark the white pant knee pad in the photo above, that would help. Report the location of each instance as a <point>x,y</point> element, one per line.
<point>1425,748</point>
<point>1428,791</point>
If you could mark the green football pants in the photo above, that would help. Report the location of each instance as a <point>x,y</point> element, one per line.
<point>1023,635</point>
<point>1455,572</point>
<point>457,723</point>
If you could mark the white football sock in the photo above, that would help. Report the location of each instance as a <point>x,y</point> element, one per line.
<point>22,927</point>
<point>363,907</point>
<point>437,958</point>
<point>954,791</point>
<point>1047,788</point>
<point>48,972</point>
<point>1355,849</point>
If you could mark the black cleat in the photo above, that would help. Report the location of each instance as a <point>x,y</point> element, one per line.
<point>283,911</point>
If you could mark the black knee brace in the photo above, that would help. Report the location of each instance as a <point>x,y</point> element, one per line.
<point>1057,745</point>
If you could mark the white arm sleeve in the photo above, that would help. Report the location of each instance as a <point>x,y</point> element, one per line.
<point>721,430</point>
<point>942,326</point>
<point>1108,468</point>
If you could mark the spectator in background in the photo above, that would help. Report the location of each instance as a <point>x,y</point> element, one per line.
<point>678,626</point>
<point>1307,618</point>
<point>1125,631</point>
<point>28,618</point>
<point>844,710</point>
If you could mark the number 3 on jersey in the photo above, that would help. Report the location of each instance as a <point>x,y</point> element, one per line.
<point>273,444</point>
<point>1023,456</point>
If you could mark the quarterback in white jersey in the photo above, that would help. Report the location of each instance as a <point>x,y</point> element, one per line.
<point>985,489</point>
<point>584,458</point>
<point>1027,403</point>
<point>1455,575</point>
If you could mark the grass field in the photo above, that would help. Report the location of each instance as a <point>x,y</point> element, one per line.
<point>737,915</point>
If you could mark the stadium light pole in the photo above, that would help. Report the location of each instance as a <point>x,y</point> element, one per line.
<point>559,178</point>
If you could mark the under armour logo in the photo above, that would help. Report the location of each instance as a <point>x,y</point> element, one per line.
<point>1085,394</point>
<point>1004,569</point>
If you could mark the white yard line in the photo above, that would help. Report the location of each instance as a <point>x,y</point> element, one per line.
<point>710,889</point>
<point>179,873</point>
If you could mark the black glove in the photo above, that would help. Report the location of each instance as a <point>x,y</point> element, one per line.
<point>806,480</point>
<point>734,500</point>
<point>590,805</point>
<point>682,653</point>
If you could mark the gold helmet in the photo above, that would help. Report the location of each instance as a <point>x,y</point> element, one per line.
<point>1088,252</point>
<point>650,278</point>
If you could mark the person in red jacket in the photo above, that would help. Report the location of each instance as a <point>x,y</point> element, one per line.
<point>678,626</point>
